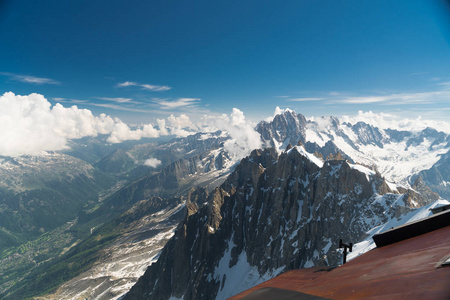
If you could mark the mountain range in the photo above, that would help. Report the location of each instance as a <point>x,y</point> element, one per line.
<point>234,222</point>
<point>273,213</point>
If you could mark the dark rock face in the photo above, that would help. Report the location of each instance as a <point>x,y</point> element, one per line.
<point>438,176</point>
<point>201,144</point>
<point>368,134</point>
<point>429,133</point>
<point>272,214</point>
<point>175,179</point>
<point>329,149</point>
<point>396,135</point>
<point>287,127</point>
<point>291,128</point>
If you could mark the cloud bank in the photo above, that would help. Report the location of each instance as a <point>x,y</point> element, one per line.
<point>244,137</point>
<point>30,125</point>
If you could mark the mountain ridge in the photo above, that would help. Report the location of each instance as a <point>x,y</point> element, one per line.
<point>273,213</point>
<point>201,160</point>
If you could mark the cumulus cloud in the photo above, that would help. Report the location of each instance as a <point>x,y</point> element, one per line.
<point>162,126</point>
<point>182,121</point>
<point>244,138</point>
<point>152,162</point>
<point>181,125</point>
<point>30,125</point>
<point>145,86</point>
<point>122,132</point>
<point>178,126</point>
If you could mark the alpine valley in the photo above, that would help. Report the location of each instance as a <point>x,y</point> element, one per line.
<point>188,218</point>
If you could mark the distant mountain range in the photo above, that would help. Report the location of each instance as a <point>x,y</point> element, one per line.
<point>285,207</point>
<point>398,155</point>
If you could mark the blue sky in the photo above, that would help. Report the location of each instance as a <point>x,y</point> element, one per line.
<point>142,60</point>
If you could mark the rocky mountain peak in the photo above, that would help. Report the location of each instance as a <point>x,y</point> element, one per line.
<point>368,134</point>
<point>287,125</point>
<point>273,213</point>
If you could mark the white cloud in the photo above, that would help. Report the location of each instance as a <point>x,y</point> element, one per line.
<point>76,101</point>
<point>442,95</point>
<point>322,123</point>
<point>152,162</point>
<point>29,125</point>
<point>179,103</point>
<point>30,79</point>
<point>119,107</point>
<point>162,126</point>
<point>304,99</point>
<point>145,86</point>
<point>446,84</point>
<point>122,132</point>
<point>181,125</point>
<point>384,121</point>
<point>244,138</point>
<point>117,100</point>
<point>278,111</point>
<point>400,98</point>
<point>127,83</point>
<point>149,131</point>
<point>157,88</point>
<point>180,132</point>
<point>182,121</point>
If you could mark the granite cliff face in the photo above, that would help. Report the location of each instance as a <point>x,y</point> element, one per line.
<point>273,213</point>
<point>438,176</point>
<point>285,128</point>
<point>400,156</point>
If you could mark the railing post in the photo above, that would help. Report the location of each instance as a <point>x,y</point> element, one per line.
<point>346,247</point>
